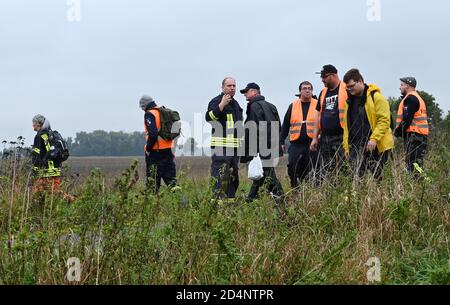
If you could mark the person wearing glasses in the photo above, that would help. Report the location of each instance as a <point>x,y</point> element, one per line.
<point>299,124</point>
<point>368,138</point>
<point>329,129</point>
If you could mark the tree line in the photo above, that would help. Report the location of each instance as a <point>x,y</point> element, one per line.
<point>103,143</point>
<point>118,144</point>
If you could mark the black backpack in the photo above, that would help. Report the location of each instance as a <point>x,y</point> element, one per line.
<point>59,150</point>
<point>168,118</point>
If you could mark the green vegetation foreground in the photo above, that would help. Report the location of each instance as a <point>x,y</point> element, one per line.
<point>323,235</point>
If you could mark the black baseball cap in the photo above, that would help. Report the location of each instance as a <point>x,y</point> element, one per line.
<point>328,69</point>
<point>250,86</point>
<point>410,81</point>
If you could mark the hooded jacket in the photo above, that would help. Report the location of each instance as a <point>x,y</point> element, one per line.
<point>379,116</point>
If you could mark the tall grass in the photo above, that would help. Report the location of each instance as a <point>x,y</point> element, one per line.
<point>324,235</point>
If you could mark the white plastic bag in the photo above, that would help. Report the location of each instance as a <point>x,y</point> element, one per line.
<point>255,169</point>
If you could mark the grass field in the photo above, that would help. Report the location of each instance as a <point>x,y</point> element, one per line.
<point>340,232</point>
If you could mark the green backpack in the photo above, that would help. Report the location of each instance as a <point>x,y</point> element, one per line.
<point>170,123</point>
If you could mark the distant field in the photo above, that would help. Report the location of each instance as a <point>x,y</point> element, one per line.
<point>193,167</point>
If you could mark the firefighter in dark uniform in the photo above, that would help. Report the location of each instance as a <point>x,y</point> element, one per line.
<point>159,158</point>
<point>225,116</point>
<point>47,173</point>
<point>412,124</point>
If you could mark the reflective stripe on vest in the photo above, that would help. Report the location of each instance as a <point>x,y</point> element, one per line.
<point>419,123</point>
<point>297,120</point>
<point>160,143</point>
<point>46,173</point>
<point>212,116</point>
<point>46,142</point>
<point>230,121</point>
<point>225,142</point>
<point>342,99</point>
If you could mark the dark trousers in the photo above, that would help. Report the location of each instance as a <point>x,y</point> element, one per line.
<point>415,146</point>
<point>270,181</point>
<point>362,161</point>
<point>331,154</point>
<point>160,165</point>
<point>300,162</point>
<point>225,172</point>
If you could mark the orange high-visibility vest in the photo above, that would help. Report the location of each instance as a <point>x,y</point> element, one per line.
<point>419,123</point>
<point>160,143</point>
<point>297,119</point>
<point>342,99</point>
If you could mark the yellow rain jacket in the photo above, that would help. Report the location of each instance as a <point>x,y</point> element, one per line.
<point>379,116</point>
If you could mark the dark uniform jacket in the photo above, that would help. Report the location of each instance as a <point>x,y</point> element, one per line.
<point>230,121</point>
<point>42,167</point>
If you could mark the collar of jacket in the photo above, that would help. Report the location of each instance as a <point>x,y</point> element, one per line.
<point>150,106</point>
<point>42,132</point>
<point>257,99</point>
<point>363,96</point>
<point>303,101</point>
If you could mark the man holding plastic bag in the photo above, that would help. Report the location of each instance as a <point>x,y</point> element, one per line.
<point>262,143</point>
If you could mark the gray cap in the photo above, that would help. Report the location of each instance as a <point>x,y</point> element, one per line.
<point>145,100</point>
<point>39,119</point>
<point>410,81</point>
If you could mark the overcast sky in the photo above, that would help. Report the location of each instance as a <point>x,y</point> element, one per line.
<point>90,74</point>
